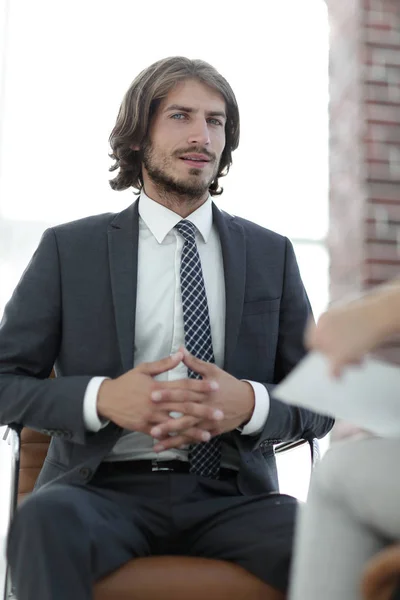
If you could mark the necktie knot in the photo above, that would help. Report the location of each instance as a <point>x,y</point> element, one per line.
<point>187,230</point>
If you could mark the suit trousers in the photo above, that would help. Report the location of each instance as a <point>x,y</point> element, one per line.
<point>352,512</point>
<point>65,537</point>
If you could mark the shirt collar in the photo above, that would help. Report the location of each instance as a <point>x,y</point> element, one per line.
<point>161,220</point>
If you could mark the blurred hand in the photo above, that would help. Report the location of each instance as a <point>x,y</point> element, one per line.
<point>344,334</point>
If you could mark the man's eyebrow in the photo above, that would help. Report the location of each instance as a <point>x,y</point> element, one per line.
<point>187,109</point>
<point>217,113</point>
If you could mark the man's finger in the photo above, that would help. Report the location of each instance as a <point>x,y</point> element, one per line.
<point>160,366</point>
<point>194,385</point>
<point>190,418</point>
<point>163,429</point>
<point>177,395</point>
<point>177,441</point>
<point>196,409</point>
<point>172,442</point>
<point>158,417</point>
<point>205,369</point>
<point>193,434</point>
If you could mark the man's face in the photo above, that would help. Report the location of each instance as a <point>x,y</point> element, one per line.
<point>186,140</point>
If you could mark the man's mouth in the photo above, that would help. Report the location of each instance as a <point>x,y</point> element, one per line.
<point>196,160</point>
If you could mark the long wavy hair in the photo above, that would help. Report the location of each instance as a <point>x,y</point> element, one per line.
<point>139,105</point>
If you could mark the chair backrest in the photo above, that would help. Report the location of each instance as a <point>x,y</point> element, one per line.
<point>34,446</point>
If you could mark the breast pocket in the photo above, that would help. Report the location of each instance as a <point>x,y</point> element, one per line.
<point>261,306</point>
<point>260,321</point>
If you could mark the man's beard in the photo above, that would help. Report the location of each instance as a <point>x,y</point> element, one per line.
<point>166,184</point>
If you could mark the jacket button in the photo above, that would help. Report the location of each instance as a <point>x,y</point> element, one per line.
<point>85,472</point>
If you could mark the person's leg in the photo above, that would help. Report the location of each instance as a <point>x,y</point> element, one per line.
<point>351,513</point>
<point>63,538</point>
<point>253,532</point>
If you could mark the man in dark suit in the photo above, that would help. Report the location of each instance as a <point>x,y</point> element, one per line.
<point>176,453</point>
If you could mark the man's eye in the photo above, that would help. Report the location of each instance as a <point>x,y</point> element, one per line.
<point>215,122</point>
<point>178,116</point>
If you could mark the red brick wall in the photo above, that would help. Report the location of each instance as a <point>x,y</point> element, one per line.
<point>364,236</point>
<point>347,197</point>
<point>382,138</point>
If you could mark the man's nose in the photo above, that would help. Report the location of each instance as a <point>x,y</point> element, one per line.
<point>199,133</point>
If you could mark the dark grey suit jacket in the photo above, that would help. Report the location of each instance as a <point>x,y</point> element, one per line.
<point>74,309</point>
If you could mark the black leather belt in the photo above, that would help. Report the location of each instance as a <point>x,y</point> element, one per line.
<point>155,466</point>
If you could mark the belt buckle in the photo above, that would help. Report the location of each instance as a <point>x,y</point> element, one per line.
<point>155,466</point>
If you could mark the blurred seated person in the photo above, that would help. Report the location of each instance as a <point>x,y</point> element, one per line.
<point>353,508</point>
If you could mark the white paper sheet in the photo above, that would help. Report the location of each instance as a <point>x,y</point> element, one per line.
<point>367,396</point>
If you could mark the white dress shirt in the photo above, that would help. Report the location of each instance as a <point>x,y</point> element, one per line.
<point>159,329</point>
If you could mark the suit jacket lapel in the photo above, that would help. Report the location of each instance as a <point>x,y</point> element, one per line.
<point>234,258</point>
<point>123,237</point>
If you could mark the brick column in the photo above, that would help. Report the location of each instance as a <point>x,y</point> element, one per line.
<point>364,235</point>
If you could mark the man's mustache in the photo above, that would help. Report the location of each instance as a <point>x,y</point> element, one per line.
<point>195,150</point>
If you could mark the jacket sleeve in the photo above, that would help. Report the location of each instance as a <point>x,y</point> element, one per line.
<point>30,337</point>
<point>284,422</point>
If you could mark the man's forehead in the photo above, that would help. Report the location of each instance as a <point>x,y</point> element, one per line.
<point>195,95</point>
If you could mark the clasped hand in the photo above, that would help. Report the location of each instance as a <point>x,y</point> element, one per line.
<point>209,406</point>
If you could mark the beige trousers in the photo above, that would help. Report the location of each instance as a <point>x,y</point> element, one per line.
<point>353,511</point>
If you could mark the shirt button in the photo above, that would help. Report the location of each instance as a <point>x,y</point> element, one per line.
<point>85,472</point>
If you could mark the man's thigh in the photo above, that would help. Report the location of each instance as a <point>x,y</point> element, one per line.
<point>101,528</point>
<point>255,532</point>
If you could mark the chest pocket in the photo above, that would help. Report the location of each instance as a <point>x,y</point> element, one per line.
<point>259,307</point>
<point>260,321</point>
